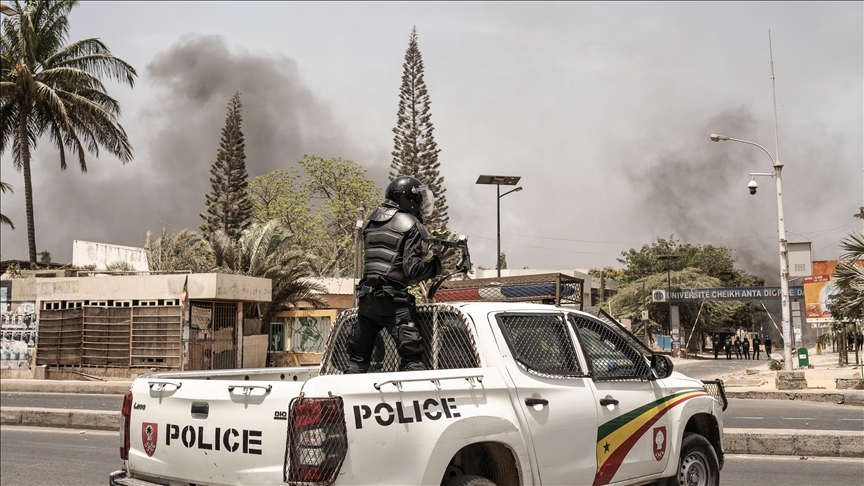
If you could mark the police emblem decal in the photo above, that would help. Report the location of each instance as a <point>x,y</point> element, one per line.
<point>659,442</point>
<point>149,436</point>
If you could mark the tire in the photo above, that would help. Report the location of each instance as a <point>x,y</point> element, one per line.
<point>697,464</point>
<point>469,481</point>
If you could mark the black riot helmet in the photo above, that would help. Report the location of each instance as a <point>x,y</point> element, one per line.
<point>411,195</point>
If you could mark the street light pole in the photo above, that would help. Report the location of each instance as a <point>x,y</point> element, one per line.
<point>784,262</point>
<point>499,181</point>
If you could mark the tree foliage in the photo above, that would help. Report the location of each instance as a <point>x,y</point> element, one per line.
<point>697,266</point>
<point>172,252</point>
<point>415,151</point>
<point>319,208</point>
<point>228,206</point>
<point>631,300</point>
<point>713,261</point>
<point>4,188</point>
<point>849,275</point>
<point>50,87</point>
<point>265,251</point>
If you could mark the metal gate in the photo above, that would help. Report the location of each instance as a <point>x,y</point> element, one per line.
<point>212,336</point>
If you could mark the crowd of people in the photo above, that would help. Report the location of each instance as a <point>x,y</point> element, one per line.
<point>742,348</point>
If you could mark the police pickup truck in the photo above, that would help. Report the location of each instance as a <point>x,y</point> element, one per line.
<point>513,394</point>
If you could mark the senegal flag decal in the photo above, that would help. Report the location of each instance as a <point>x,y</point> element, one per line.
<point>616,437</point>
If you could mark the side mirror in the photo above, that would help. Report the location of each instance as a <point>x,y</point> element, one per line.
<point>662,365</point>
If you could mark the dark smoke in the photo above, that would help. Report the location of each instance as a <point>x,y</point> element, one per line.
<point>166,183</point>
<point>282,118</point>
<point>699,191</point>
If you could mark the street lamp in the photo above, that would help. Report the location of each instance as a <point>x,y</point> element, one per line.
<point>500,181</point>
<point>784,263</point>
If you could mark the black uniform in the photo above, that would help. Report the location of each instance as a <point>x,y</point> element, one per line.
<point>396,244</point>
<point>728,346</point>
<point>745,346</point>
<point>757,343</point>
<point>768,346</point>
<point>715,343</point>
<point>738,348</point>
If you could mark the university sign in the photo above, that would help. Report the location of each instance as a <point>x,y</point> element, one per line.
<point>740,293</point>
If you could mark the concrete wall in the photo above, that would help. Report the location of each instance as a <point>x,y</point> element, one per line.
<point>101,254</point>
<point>202,286</point>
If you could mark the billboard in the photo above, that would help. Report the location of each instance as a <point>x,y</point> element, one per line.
<point>818,290</point>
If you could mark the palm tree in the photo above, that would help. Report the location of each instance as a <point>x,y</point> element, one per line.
<point>850,276</point>
<point>184,250</point>
<point>264,250</point>
<point>49,86</point>
<point>3,219</point>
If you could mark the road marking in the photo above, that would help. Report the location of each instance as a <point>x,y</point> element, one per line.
<point>749,418</point>
<point>798,418</point>
<point>852,419</point>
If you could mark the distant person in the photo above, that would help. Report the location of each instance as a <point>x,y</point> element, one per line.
<point>745,348</point>
<point>737,345</point>
<point>756,345</point>
<point>728,346</point>
<point>715,343</point>
<point>860,337</point>
<point>767,346</point>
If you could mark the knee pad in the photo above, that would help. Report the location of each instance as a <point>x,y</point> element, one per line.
<point>410,341</point>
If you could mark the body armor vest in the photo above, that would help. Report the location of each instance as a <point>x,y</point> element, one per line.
<point>384,239</point>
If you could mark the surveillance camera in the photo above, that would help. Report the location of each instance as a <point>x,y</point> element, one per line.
<point>752,185</point>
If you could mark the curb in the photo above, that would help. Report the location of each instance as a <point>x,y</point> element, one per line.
<point>789,442</point>
<point>60,418</point>
<point>58,386</point>
<point>840,398</point>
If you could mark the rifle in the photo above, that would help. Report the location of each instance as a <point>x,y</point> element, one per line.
<point>463,266</point>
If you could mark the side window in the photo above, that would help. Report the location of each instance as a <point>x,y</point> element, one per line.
<point>609,355</point>
<point>541,343</point>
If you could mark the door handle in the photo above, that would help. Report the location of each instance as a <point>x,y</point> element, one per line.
<point>536,401</point>
<point>608,401</point>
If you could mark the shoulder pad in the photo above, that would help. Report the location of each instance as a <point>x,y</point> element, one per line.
<point>403,222</point>
<point>383,214</point>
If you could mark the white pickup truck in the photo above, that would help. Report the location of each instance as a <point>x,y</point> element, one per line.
<point>514,394</point>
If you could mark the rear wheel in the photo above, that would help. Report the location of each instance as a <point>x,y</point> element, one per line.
<point>469,481</point>
<point>697,464</point>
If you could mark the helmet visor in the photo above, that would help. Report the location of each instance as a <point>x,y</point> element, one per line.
<point>428,200</point>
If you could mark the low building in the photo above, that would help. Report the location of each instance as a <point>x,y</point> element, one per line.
<point>120,326</point>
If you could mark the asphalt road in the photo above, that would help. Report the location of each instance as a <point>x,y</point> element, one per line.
<point>37,456</point>
<point>792,414</point>
<point>34,456</point>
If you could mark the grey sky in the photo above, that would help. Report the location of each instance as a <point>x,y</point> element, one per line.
<point>603,108</point>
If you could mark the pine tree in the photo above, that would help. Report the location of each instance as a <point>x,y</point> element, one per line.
<point>415,151</point>
<point>228,204</point>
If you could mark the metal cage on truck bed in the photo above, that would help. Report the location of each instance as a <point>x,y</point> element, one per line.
<point>547,288</point>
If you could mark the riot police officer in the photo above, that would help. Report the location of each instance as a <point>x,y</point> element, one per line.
<point>737,345</point>
<point>768,346</point>
<point>728,347</point>
<point>715,344</point>
<point>396,244</point>
<point>757,343</point>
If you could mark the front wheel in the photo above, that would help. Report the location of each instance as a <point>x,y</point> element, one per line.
<point>697,464</point>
